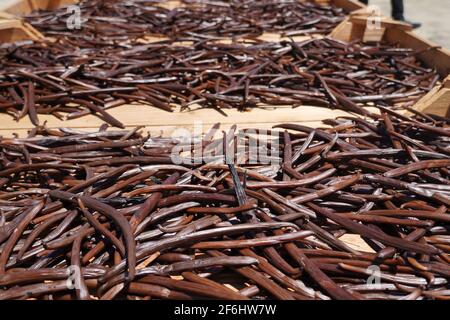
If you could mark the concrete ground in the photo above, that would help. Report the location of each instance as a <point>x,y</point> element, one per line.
<point>433,14</point>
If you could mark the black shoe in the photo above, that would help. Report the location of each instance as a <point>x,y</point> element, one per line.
<point>415,25</point>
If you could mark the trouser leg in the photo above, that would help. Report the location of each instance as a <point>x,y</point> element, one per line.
<point>397,9</point>
<point>364,1</point>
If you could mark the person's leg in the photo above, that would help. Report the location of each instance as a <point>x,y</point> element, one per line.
<point>398,13</point>
<point>398,9</point>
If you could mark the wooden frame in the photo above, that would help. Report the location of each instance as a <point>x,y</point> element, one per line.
<point>12,30</point>
<point>437,101</point>
<point>21,7</point>
<point>155,120</point>
<point>18,8</point>
<point>355,27</point>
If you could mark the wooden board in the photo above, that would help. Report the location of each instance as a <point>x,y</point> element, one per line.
<point>157,121</point>
<point>347,5</point>
<point>22,7</point>
<point>12,30</point>
<point>437,101</point>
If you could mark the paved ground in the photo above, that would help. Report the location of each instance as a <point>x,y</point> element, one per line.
<point>434,15</point>
<point>6,3</point>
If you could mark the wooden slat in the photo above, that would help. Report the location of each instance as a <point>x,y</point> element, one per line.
<point>167,131</point>
<point>437,103</point>
<point>384,22</point>
<point>22,7</point>
<point>16,7</point>
<point>356,242</point>
<point>156,119</point>
<point>6,15</point>
<point>348,5</point>
<point>12,30</point>
<point>438,57</point>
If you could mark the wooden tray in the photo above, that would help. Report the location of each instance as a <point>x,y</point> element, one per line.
<point>13,30</point>
<point>159,122</point>
<point>21,7</point>
<point>156,121</point>
<point>355,27</point>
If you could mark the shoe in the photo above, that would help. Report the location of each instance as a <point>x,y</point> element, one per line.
<point>415,25</point>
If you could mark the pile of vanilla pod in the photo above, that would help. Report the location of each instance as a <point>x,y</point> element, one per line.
<point>108,21</point>
<point>114,213</point>
<point>69,82</point>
